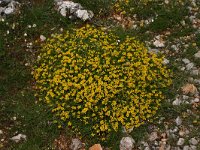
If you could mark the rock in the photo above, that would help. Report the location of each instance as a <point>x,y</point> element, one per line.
<point>181,133</point>
<point>9,7</point>
<point>186,147</point>
<point>96,147</point>
<point>193,141</point>
<point>42,38</point>
<point>191,18</point>
<point>185,97</point>
<point>159,43</point>
<point>189,66</point>
<point>176,102</point>
<point>195,72</point>
<point>153,136</point>
<point>1,132</point>
<point>155,51</point>
<point>73,10</point>
<point>183,23</point>
<point>18,137</point>
<point>165,61</point>
<point>186,61</point>
<point>189,88</point>
<point>197,81</point>
<point>147,148</point>
<point>127,143</point>
<point>84,14</point>
<point>197,55</point>
<point>9,10</point>
<point>168,147</point>
<point>145,144</point>
<point>196,100</point>
<point>174,47</point>
<point>76,144</point>
<point>178,121</point>
<point>181,141</point>
<point>174,130</point>
<point>193,147</point>
<point>182,68</point>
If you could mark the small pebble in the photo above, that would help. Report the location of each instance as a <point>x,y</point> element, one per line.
<point>127,143</point>
<point>178,121</point>
<point>189,66</point>
<point>193,147</point>
<point>186,61</point>
<point>153,136</point>
<point>195,72</point>
<point>193,141</point>
<point>42,38</point>
<point>176,102</point>
<point>186,147</point>
<point>165,61</point>
<point>185,97</point>
<point>14,118</point>
<point>197,55</point>
<point>196,100</point>
<point>181,141</point>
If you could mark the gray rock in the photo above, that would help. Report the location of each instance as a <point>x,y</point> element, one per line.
<point>42,38</point>
<point>181,141</point>
<point>181,133</point>
<point>182,68</point>
<point>76,144</point>
<point>174,47</point>
<point>183,23</point>
<point>165,61</point>
<point>84,14</point>
<point>73,10</point>
<point>155,51</point>
<point>18,137</point>
<point>127,143</point>
<point>195,72</point>
<point>178,121</point>
<point>9,7</point>
<point>147,148</point>
<point>192,18</point>
<point>196,100</point>
<point>9,10</point>
<point>153,136</point>
<point>189,66</point>
<point>193,147</point>
<point>193,141</point>
<point>176,102</point>
<point>186,61</point>
<point>168,147</point>
<point>197,81</point>
<point>145,144</point>
<point>185,97</point>
<point>186,147</point>
<point>197,55</point>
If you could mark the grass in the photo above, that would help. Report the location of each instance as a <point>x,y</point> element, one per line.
<point>17,97</point>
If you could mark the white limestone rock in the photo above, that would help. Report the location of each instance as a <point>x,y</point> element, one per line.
<point>71,9</point>
<point>127,143</point>
<point>181,141</point>
<point>18,138</point>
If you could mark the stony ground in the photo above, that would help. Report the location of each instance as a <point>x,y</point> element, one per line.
<point>175,32</point>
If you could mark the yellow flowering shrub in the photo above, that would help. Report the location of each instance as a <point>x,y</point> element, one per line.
<point>90,78</point>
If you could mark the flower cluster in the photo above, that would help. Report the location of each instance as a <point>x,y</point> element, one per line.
<point>90,77</point>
